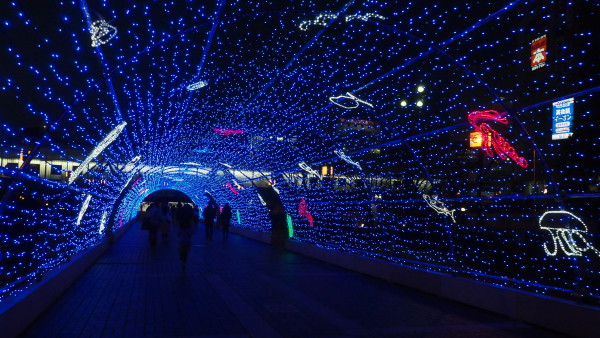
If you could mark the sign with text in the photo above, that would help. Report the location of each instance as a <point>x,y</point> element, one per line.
<point>538,52</point>
<point>475,139</point>
<point>562,119</point>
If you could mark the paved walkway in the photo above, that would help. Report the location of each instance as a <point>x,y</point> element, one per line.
<point>243,288</point>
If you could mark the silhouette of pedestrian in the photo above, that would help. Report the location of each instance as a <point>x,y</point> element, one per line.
<point>173,210</point>
<point>178,210</point>
<point>185,233</point>
<point>155,219</point>
<point>209,214</point>
<point>165,226</point>
<point>225,220</point>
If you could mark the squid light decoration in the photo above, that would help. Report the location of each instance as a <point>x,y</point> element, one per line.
<point>491,141</point>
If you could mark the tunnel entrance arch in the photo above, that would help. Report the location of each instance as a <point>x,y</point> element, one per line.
<point>168,195</point>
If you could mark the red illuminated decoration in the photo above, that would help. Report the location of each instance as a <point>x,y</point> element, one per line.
<point>121,219</point>
<point>303,211</point>
<point>228,132</point>
<point>136,182</point>
<point>491,141</point>
<point>228,185</point>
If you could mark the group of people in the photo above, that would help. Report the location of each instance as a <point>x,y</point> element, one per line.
<point>223,217</point>
<point>159,217</point>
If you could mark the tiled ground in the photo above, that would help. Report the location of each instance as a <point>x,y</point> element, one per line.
<point>242,288</point>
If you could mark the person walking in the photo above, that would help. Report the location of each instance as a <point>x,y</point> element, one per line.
<point>186,231</point>
<point>155,220</point>
<point>173,210</point>
<point>167,218</point>
<point>225,220</point>
<point>196,216</point>
<point>209,214</point>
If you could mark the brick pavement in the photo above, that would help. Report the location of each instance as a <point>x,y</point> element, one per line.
<point>243,288</point>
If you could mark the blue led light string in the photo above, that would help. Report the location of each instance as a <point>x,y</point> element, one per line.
<point>105,65</point>
<point>560,98</point>
<point>294,58</point>
<point>432,47</point>
<point>506,108</point>
<point>67,111</point>
<point>215,24</point>
<point>280,72</point>
<point>254,40</point>
<point>427,53</point>
<point>65,188</point>
<point>481,22</point>
<point>44,139</point>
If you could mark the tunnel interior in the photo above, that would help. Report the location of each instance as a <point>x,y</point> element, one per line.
<point>454,138</point>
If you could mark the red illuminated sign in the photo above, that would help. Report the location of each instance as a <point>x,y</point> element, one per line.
<point>475,139</point>
<point>538,52</point>
<point>491,141</point>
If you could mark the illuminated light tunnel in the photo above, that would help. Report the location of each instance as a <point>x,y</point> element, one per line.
<point>452,137</point>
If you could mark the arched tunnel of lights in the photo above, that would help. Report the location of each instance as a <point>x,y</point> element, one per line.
<point>456,138</point>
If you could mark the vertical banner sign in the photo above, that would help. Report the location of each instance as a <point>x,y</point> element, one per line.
<point>562,119</point>
<point>538,52</point>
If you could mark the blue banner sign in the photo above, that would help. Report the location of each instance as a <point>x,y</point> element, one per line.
<point>562,119</point>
